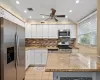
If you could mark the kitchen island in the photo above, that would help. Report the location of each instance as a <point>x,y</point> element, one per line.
<point>75,66</point>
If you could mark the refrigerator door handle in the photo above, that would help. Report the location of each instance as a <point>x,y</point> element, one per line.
<point>15,50</point>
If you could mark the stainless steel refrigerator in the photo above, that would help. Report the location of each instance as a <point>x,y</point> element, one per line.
<point>12,51</point>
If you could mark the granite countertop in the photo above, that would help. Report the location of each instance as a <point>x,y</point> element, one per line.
<point>29,48</point>
<point>75,62</point>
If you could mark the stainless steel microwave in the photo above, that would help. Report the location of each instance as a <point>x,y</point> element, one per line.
<point>64,33</point>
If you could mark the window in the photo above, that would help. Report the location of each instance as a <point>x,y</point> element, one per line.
<point>87,31</point>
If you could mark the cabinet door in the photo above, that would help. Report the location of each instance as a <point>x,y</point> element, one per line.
<point>53,31</point>
<point>27,31</point>
<point>44,58</point>
<point>26,60</point>
<point>32,57</point>
<point>73,31</point>
<point>39,31</point>
<point>28,54</point>
<point>38,58</point>
<point>45,31</point>
<point>34,31</point>
<point>61,27</point>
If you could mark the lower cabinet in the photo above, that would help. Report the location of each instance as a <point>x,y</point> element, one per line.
<point>36,57</point>
<point>27,59</point>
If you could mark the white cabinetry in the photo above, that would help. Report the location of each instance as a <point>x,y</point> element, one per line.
<point>39,31</point>
<point>27,59</point>
<point>34,31</point>
<point>37,57</point>
<point>61,27</point>
<point>73,31</point>
<point>27,30</point>
<point>53,31</point>
<point>45,31</point>
<point>32,57</point>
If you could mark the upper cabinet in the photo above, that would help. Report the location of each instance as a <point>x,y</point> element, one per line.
<point>28,31</point>
<point>34,31</point>
<point>72,31</point>
<point>61,27</point>
<point>48,31</point>
<point>45,31</point>
<point>53,31</point>
<point>39,31</point>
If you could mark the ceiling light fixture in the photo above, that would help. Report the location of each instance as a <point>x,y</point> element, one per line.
<point>17,2</point>
<point>30,17</point>
<point>25,11</point>
<point>66,16</point>
<point>43,17</point>
<point>77,1</point>
<point>70,10</point>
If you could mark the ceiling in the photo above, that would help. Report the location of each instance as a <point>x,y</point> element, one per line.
<point>80,10</point>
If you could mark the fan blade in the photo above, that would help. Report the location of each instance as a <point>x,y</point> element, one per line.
<point>60,15</point>
<point>44,15</point>
<point>47,19</point>
<point>55,19</point>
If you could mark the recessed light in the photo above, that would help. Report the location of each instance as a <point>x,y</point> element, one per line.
<point>30,17</point>
<point>77,1</point>
<point>43,16</point>
<point>66,16</point>
<point>70,10</point>
<point>25,11</point>
<point>17,2</point>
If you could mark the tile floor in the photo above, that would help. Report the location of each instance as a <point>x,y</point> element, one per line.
<point>38,73</point>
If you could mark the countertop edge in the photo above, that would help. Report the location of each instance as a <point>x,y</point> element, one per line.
<point>72,70</point>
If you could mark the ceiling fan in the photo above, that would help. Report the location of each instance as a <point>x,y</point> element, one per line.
<point>52,15</point>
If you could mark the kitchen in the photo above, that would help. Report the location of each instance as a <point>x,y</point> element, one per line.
<point>62,47</point>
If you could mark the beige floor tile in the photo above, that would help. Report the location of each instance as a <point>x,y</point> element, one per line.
<point>38,73</point>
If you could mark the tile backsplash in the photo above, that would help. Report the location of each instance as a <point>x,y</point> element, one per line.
<point>30,42</point>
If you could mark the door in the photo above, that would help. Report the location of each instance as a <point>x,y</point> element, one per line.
<point>7,50</point>
<point>21,52</point>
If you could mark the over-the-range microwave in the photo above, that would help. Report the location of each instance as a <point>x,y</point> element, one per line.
<point>64,33</point>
